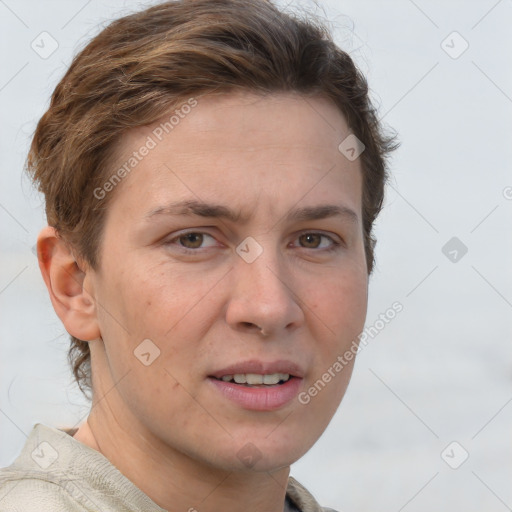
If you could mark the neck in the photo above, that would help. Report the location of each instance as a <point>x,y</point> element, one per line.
<point>175,481</point>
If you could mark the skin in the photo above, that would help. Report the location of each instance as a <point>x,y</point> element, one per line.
<point>164,426</point>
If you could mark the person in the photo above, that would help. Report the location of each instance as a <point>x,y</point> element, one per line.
<point>211,170</point>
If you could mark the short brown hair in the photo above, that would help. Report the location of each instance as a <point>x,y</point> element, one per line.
<point>144,64</point>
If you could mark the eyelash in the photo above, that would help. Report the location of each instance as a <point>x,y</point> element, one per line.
<point>334,243</point>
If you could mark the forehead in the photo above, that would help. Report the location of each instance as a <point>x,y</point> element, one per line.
<point>234,145</point>
<point>303,122</point>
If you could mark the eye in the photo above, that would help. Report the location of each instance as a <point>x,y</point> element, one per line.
<point>197,241</point>
<point>313,240</point>
<point>191,241</point>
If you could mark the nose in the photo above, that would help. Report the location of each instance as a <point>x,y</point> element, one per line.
<point>263,297</point>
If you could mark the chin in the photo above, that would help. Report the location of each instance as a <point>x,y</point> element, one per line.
<point>262,452</point>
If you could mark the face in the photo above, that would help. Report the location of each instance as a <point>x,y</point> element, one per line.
<point>245,217</point>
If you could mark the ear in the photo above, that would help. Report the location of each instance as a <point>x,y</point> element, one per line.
<point>65,281</point>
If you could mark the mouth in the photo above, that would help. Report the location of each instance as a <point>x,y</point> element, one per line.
<point>259,386</point>
<point>256,380</point>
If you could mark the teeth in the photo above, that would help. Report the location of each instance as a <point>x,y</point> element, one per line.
<point>254,379</point>
<point>271,379</point>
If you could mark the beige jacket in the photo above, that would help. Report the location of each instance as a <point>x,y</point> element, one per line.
<point>57,473</point>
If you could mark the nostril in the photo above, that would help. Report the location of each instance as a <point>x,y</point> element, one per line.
<point>249,324</point>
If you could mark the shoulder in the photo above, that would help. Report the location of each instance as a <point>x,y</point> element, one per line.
<point>303,499</point>
<point>26,493</point>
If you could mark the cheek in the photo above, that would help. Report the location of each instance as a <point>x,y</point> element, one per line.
<point>166,307</point>
<point>152,299</point>
<point>340,311</point>
<point>340,304</point>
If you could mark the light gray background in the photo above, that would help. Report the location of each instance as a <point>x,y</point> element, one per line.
<point>441,370</point>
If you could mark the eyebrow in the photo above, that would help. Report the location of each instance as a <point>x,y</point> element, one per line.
<point>199,208</point>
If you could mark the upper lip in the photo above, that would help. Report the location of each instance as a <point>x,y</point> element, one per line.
<point>260,368</point>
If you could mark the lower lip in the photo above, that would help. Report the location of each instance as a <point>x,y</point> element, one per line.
<point>259,399</point>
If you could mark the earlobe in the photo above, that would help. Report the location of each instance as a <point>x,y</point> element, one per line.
<point>73,303</point>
